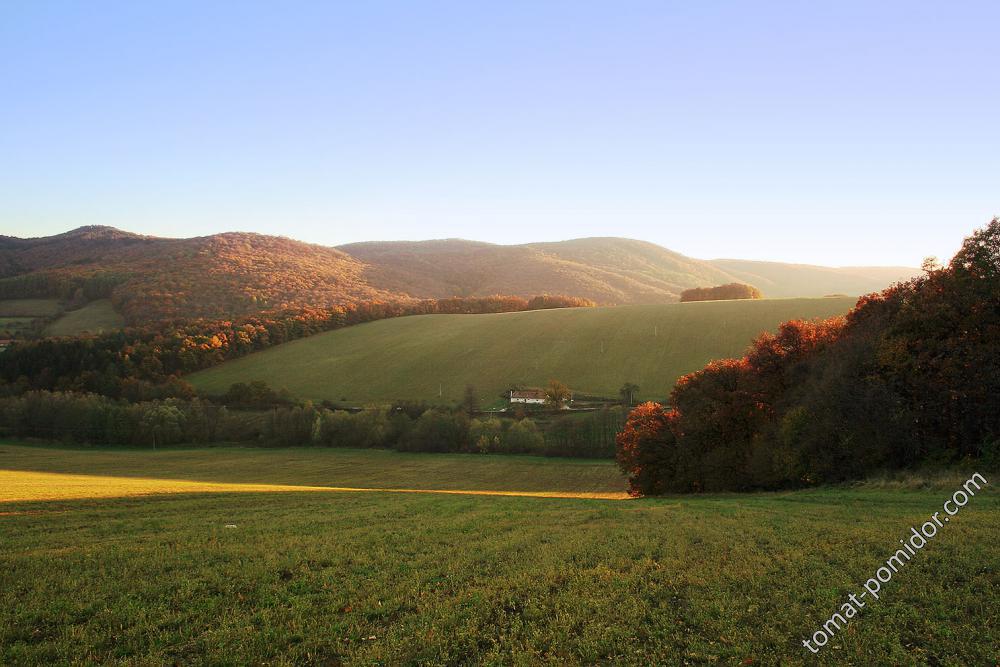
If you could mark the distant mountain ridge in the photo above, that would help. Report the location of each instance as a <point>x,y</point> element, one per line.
<point>777,279</point>
<point>609,270</point>
<point>236,273</point>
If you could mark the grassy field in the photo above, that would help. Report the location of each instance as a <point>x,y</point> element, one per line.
<point>95,317</point>
<point>29,307</point>
<point>15,326</point>
<point>372,577</point>
<point>594,350</point>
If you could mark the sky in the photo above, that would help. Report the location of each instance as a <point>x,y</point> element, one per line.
<point>838,133</point>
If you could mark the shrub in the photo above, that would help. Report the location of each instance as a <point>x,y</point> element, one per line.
<point>485,435</point>
<point>438,431</point>
<point>523,437</point>
<point>720,292</point>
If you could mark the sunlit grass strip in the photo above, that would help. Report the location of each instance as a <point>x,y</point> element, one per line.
<point>20,486</point>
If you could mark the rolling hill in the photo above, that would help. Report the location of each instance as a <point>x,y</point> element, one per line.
<point>776,279</point>
<point>606,270</point>
<point>234,274</point>
<point>148,279</point>
<point>594,350</point>
<point>610,271</point>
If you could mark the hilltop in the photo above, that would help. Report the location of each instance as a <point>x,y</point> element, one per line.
<point>234,274</point>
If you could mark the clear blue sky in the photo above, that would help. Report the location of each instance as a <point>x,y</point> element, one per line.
<point>834,133</point>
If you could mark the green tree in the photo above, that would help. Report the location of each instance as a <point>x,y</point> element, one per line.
<point>628,392</point>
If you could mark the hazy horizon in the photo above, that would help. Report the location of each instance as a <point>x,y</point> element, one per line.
<point>457,238</point>
<point>845,135</point>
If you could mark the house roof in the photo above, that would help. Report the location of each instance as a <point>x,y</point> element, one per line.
<point>528,393</point>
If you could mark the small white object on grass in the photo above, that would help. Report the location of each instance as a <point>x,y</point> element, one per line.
<point>230,525</point>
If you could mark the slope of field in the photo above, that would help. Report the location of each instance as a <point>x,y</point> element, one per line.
<point>19,317</point>
<point>95,317</point>
<point>594,350</point>
<point>29,307</point>
<point>776,279</point>
<point>283,577</point>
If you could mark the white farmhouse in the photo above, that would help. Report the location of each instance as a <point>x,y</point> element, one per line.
<point>532,396</point>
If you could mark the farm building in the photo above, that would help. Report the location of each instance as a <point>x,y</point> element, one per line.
<point>533,396</point>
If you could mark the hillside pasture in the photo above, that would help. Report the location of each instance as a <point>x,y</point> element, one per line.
<point>95,317</point>
<point>593,350</point>
<point>29,307</point>
<point>15,326</point>
<point>279,576</point>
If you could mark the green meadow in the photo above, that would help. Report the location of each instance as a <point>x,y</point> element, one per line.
<point>18,315</point>
<point>95,317</point>
<point>141,558</point>
<point>593,350</point>
<point>29,307</point>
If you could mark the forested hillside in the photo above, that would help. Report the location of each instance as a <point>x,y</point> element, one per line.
<point>778,279</point>
<point>608,270</point>
<point>230,275</point>
<point>148,279</point>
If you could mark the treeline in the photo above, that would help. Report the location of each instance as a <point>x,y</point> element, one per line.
<point>910,376</point>
<point>75,289</point>
<point>721,292</point>
<point>99,420</point>
<point>146,363</point>
<point>472,305</point>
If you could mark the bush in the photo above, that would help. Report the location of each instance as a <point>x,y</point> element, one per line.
<point>720,292</point>
<point>485,435</point>
<point>523,437</point>
<point>438,431</point>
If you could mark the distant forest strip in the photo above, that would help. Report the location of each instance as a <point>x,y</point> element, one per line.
<point>139,364</point>
<point>911,376</point>
<point>403,426</point>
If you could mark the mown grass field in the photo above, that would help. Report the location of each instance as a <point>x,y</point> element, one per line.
<point>95,317</point>
<point>334,577</point>
<point>593,350</point>
<point>29,307</point>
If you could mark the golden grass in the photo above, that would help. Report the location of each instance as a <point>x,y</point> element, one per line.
<point>47,473</point>
<point>19,485</point>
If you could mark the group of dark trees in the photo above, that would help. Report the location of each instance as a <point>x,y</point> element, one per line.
<point>910,376</point>
<point>147,363</point>
<point>93,419</point>
<point>71,288</point>
<point>721,292</point>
